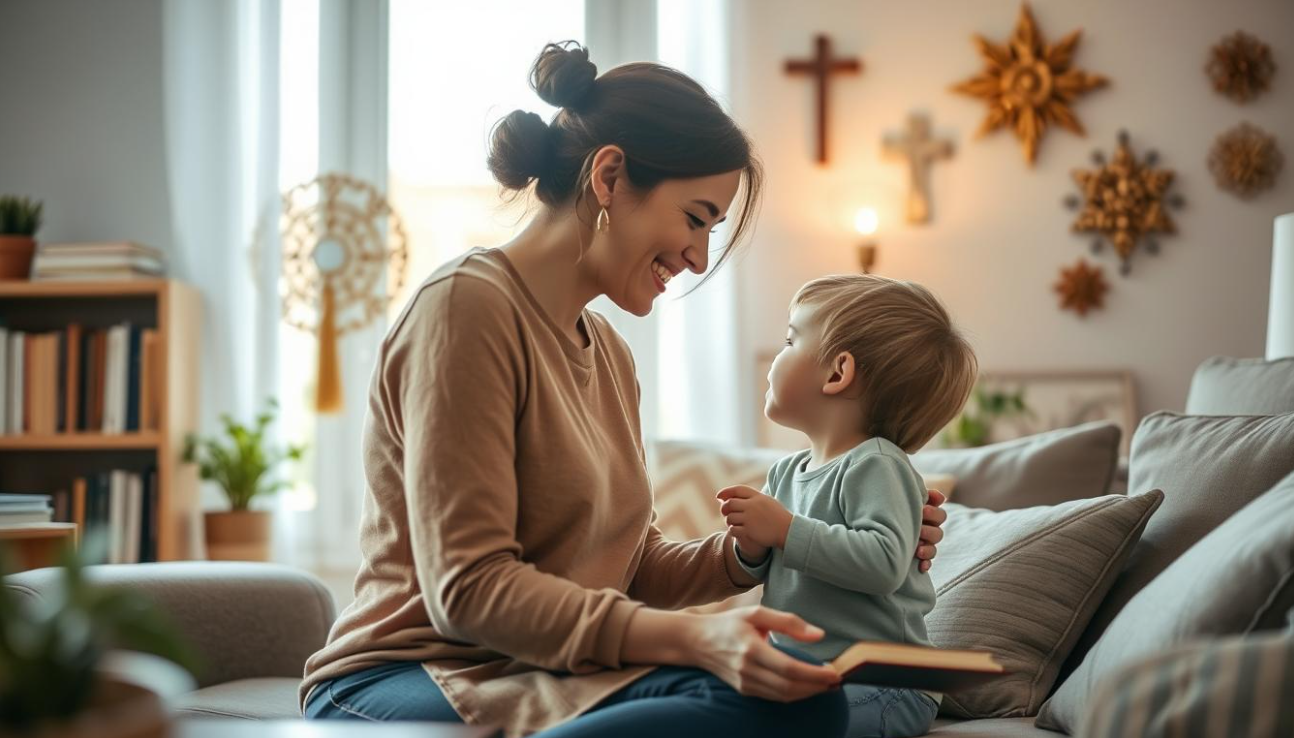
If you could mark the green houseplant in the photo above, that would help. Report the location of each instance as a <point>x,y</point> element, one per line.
<point>61,673</point>
<point>975,425</point>
<point>20,218</point>
<point>241,467</point>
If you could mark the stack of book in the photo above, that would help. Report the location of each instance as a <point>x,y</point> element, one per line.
<point>103,380</point>
<point>25,509</point>
<point>91,261</point>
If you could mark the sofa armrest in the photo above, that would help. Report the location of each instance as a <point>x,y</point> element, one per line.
<point>242,620</point>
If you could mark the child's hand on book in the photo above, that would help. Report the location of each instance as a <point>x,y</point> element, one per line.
<point>755,519</point>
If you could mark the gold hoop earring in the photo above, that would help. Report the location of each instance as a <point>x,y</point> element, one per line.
<point>604,221</point>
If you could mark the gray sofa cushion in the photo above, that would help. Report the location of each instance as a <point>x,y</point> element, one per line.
<point>242,619</point>
<point>1237,687</point>
<point>1044,469</point>
<point>1208,467</point>
<point>1022,584</point>
<point>1238,578</point>
<point>1226,386</point>
<point>1021,727</point>
<point>264,698</point>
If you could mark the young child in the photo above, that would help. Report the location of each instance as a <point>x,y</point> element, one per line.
<point>872,369</point>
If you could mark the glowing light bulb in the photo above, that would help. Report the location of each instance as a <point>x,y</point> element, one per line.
<point>866,221</point>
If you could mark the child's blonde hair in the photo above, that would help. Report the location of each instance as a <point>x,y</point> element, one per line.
<point>915,370</point>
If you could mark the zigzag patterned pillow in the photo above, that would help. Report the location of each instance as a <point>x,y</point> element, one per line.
<point>686,474</point>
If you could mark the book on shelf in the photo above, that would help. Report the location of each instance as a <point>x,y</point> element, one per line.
<point>916,667</point>
<point>93,261</point>
<point>80,379</point>
<point>122,506</point>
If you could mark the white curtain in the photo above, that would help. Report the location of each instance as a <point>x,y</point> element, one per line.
<point>221,102</point>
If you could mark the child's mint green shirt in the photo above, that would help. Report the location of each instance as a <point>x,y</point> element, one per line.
<point>849,565</point>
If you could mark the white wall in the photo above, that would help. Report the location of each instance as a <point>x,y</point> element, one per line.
<point>1000,233</point>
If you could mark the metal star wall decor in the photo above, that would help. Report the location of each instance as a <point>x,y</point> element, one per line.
<point>1081,288</point>
<point>1124,201</point>
<point>1029,84</point>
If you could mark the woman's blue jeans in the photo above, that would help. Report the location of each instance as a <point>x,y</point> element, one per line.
<point>671,701</point>
<point>675,701</point>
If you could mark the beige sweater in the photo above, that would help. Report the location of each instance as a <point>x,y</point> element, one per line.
<point>508,532</point>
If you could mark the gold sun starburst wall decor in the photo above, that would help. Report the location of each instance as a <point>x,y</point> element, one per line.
<point>339,270</point>
<point>1240,67</point>
<point>1029,84</point>
<point>1245,160</point>
<point>1081,288</point>
<point>1124,201</point>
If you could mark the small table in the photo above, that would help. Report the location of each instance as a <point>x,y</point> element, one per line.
<point>204,728</point>
<point>36,545</point>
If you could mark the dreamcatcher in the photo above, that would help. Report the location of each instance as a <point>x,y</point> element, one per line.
<point>339,271</point>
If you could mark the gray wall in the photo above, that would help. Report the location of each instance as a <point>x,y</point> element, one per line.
<point>82,117</point>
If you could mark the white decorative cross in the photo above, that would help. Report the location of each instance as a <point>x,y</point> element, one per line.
<point>920,151</point>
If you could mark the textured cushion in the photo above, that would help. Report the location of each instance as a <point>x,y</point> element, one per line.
<point>1043,469</point>
<point>992,728</point>
<point>242,619</point>
<point>1022,584</point>
<point>1226,386</point>
<point>1208,467</point>
<point>686,475</point>
<point>266,698</point>
<point>1238,578</point>
<point>1237,687</point>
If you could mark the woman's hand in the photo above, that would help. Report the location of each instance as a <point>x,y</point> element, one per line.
<point>734,646</point>
<point>755,519</point>
<point>932,518</point>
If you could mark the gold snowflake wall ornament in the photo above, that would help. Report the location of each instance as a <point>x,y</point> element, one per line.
<point>1124,201</point>
<point>1241,67</point>
<point>339,270</point>
<point>1029,84</point>
<point>1245,160</point>
<point>1081,288</point>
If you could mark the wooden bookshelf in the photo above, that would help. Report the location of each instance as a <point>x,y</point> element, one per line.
<point>45,463</point>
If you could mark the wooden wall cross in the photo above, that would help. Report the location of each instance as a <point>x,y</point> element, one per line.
<point>920,151</point>
<point>821,67</point>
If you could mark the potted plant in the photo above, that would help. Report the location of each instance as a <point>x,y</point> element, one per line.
<point>241,468</point>
<point>61,675</point>
<point>974,427</point>
<point>20,218</point>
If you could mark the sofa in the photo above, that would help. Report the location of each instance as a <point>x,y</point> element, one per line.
<point>1127,596</point>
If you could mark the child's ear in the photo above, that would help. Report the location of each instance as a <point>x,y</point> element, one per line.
<point>842,374</point>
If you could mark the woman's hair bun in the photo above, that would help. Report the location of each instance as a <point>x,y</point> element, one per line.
<point>563,75</point>
<point>521,149</point>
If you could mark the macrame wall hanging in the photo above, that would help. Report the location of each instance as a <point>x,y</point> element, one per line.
<point>341,268</point>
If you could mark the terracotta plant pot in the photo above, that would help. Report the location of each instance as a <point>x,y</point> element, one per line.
<point>16,253</point>
<point>238,535</point>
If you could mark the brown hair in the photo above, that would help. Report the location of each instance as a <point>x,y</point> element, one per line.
<point>668,126</point>
<point>915,370</point>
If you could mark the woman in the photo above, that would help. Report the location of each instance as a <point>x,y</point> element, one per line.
<point>513,574</point>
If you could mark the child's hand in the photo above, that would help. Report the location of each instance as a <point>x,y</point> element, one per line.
<point>756,520</point>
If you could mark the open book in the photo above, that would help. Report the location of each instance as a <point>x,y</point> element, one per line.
<point>916,667</point>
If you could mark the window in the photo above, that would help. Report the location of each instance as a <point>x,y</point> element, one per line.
<point>455,69</point>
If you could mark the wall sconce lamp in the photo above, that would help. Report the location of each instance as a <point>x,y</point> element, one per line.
<point>865,222</point>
